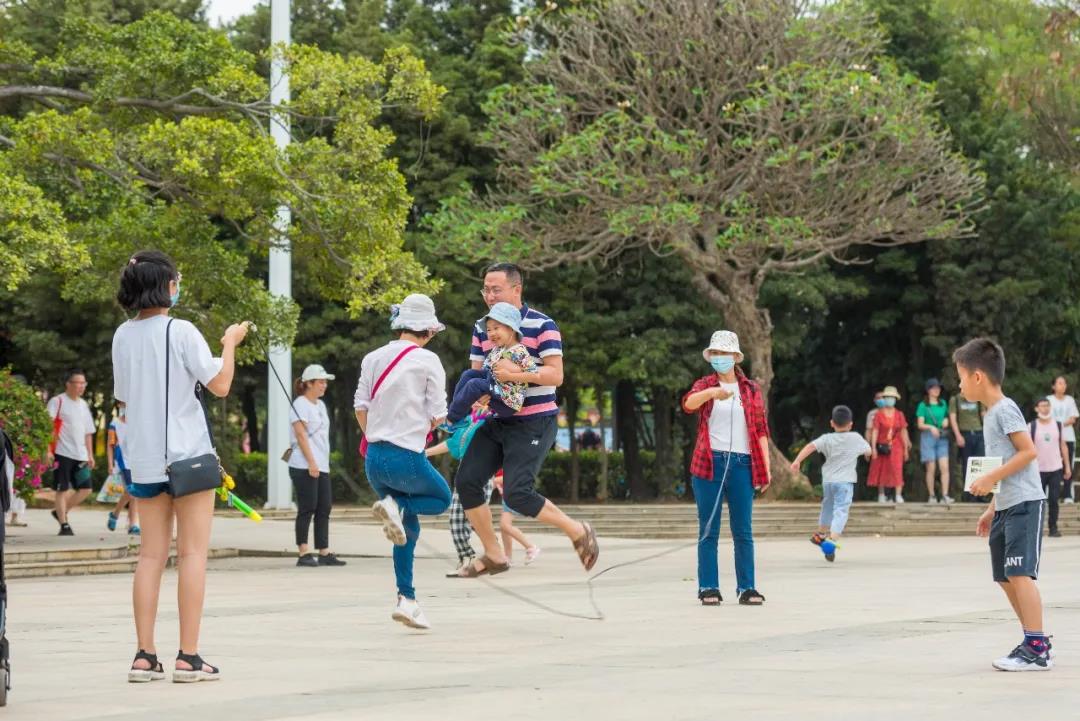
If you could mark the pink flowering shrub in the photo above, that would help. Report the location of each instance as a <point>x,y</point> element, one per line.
<point>26,422</point>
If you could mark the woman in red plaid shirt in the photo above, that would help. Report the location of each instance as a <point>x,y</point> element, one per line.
<point>731,460</point>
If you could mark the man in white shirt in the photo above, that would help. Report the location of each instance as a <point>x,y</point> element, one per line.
<point>1063,408</point>
<point>72,448</point>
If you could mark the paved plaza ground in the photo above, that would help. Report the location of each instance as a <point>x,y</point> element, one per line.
<point>896,629</point>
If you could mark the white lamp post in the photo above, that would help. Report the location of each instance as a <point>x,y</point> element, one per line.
<point>278,485</point>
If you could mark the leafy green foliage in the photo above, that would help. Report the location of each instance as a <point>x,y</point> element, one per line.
<point>24,418</point>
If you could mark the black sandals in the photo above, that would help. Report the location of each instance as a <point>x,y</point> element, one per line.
<point>710,597</point>
<point>142,675</point>
<point>197,672</point>
<point>750,597</point>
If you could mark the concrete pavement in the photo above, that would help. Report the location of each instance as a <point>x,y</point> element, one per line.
<point>900,628</point>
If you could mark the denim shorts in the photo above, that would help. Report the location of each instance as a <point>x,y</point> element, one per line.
<point>932,449</point>
<point>149,490</point>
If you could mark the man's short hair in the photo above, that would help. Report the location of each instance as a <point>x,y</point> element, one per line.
<point>841,415</point>
<point>982,354</point>
<point>71,373</point>
<point>512,272</point>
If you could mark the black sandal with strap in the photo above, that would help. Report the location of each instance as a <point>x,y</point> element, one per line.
<point>750,597</point>
<point>196,673</point>
<point>142,675</point>
<point>710,597</point>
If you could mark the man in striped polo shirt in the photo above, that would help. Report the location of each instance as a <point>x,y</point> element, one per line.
<point>520,443</point>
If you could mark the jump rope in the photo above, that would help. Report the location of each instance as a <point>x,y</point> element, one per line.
<point>598,613</point>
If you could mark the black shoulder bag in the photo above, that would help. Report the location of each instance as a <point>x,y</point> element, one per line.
<point>190,475</point>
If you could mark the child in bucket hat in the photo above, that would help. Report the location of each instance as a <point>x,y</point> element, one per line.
<point>504,330</point>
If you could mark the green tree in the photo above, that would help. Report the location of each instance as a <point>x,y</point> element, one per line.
<point>155,133</point>
<point>748,139</point>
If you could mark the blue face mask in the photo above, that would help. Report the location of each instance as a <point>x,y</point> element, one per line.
<point>722,363</point>
<point>175,297</point>
<point>880,403</point>
<point>889,402</point>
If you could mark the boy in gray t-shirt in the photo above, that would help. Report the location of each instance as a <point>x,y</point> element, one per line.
<point>841,450</point>
<point>1014,519</point>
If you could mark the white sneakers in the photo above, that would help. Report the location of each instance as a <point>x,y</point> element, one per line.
<point>387,512</point>
<point>408,612</point>
<point>947,500</point>
<point>881,498</point>
<point>899,498</point>
<point>531,554</point>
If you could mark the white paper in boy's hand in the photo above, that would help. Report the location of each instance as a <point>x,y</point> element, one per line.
<point>979,466</point>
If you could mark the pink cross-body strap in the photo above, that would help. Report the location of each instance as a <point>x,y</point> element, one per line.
<point>390,367</point>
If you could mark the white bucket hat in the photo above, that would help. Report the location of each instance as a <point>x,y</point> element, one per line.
<point>726,341</point>
<point>316,372</point>
<point>416,312</point>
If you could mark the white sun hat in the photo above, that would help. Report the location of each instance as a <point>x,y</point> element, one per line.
<point>726,341</point>
<point>416,312</point>
<point>316,372</point>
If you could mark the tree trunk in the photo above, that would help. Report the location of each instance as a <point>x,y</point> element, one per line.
<point>625,412</point>
<point>575,458</point>
<point>602,481</point>
<point>735,295</point>
<point>251,415</point>
<point>666,473</point>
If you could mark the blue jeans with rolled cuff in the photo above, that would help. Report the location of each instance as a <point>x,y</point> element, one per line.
<point>419,490</point>
<point>731,481</point>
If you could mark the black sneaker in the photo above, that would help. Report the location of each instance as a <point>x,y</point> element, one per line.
<point>1055,533</point>
<point>330,560</point>
<point>65,530</point>
<point>307,560</point>
<point>1024,658</point>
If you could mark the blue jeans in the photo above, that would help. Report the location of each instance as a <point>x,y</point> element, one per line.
<point>931,449</point>
<point>149,490</point>
<point>835,505</point>
<point>417,488</point>
<point>736,487</point>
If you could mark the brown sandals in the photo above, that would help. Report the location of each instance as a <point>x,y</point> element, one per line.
<point>588,550</point>
<point>490,568</point>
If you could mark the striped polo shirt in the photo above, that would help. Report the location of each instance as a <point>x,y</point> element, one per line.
<point>542,337</point>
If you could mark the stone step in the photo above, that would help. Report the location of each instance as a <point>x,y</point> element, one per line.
<point>93,565</point>
<point>68,554</point>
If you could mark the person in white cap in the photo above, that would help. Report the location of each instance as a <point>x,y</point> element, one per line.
<point>400,398</point>
<point>309,466</point>
<point>730,460</point>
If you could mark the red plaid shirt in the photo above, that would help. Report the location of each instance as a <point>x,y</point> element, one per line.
<point>757,427</point>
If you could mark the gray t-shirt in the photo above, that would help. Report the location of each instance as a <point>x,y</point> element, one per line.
<point>1003,418</point>
<point>841,451</point>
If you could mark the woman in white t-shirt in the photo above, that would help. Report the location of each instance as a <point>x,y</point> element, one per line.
<point>309,466</point>
<point>1063,408</point>
<point>142,346</point>
<point>730,461</point>
<point>400,398</point>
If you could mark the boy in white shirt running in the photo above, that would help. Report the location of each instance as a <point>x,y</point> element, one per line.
<point>841,449</point>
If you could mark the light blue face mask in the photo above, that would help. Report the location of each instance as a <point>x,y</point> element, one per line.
<point>889,402</point>
<point>722,363</point>
<point>880,403</point>
<point>175,297</point>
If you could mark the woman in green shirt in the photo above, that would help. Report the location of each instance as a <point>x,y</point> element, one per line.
<point>932,418</point>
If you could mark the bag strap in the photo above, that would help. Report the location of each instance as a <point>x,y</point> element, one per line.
<point>198,395</point>
<point>168,327</point>
<point>390,367</point>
